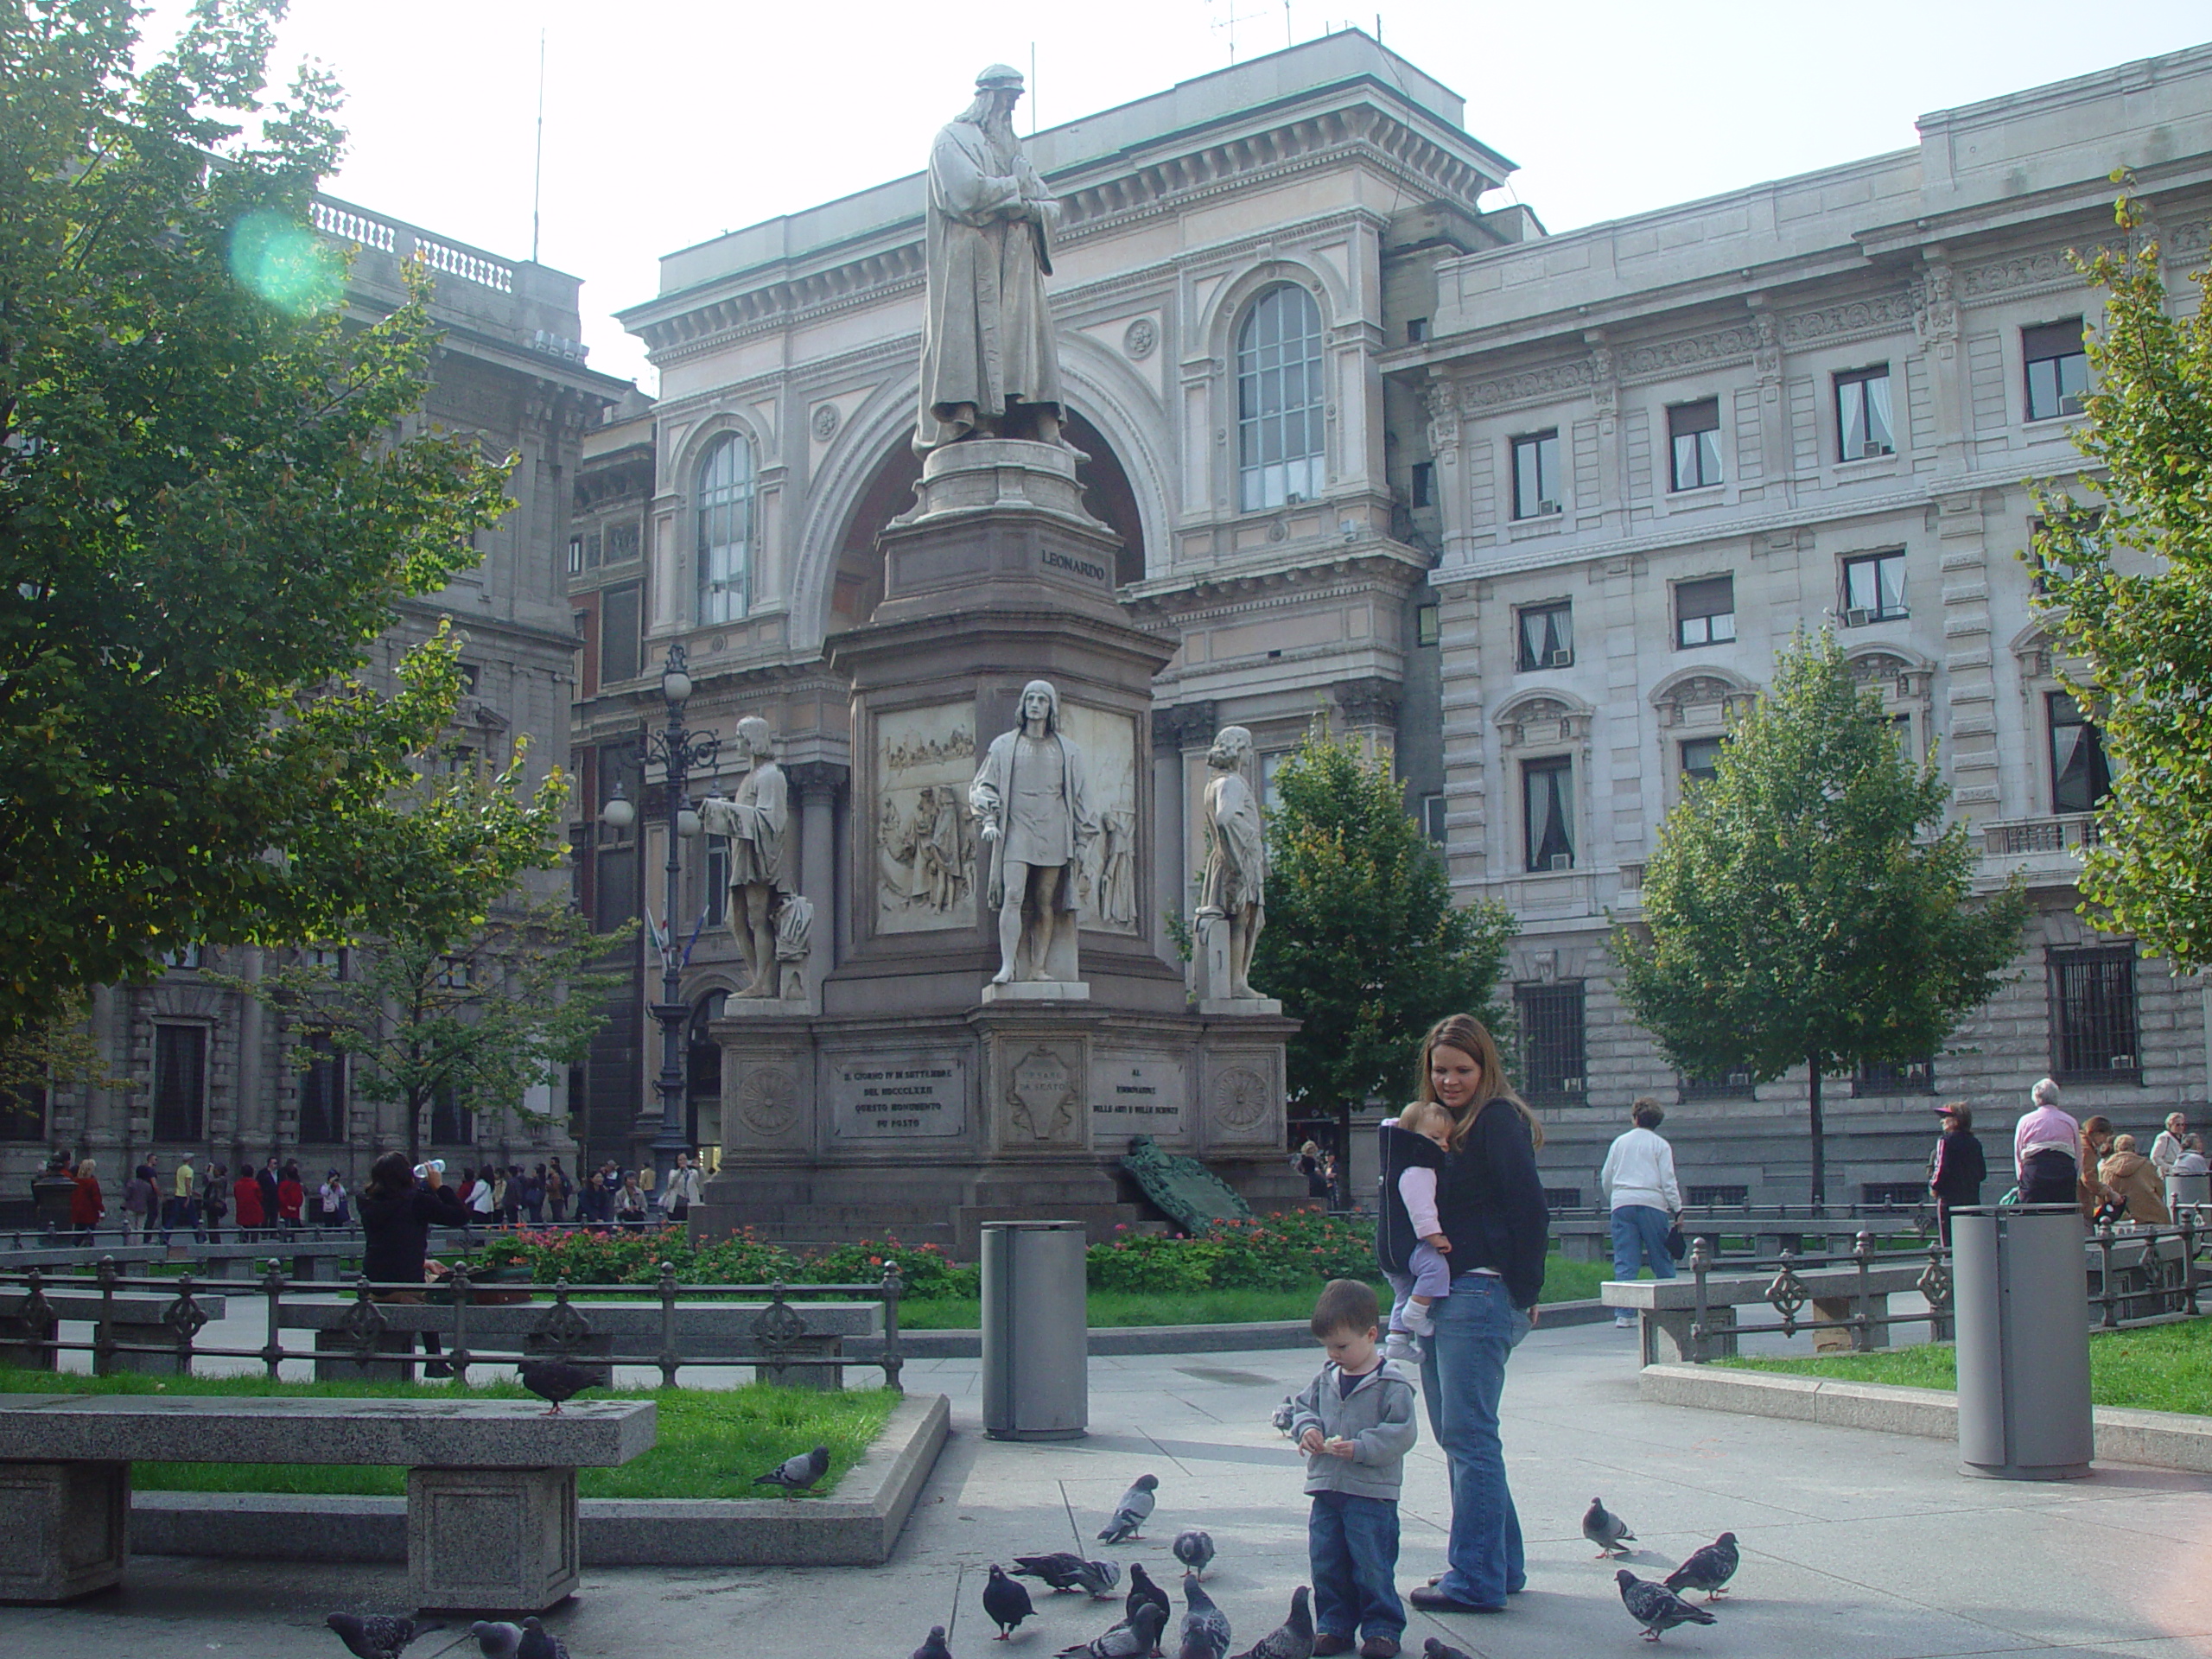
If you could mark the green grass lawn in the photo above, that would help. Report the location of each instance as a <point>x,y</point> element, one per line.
<point>712,1441</point>
<point>1564,1282</point>
<point>2153,1368</point>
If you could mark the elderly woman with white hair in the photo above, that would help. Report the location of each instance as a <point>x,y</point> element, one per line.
<point>2044,1149</point>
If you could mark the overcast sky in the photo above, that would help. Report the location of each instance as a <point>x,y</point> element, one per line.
<point>669,121</point>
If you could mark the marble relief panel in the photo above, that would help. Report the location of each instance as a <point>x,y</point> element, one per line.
<point>925,834</point>
<point>1106,887</point>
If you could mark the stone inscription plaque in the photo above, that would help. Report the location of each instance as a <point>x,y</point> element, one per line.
<point>1138,1094</point>
<point>909,1095</point>
<point>1106,884</point>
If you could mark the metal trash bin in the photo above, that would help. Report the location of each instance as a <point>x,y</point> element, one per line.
<point>2195,1190</point>
<point>1036,1331</point>
<point>2021,1296</point>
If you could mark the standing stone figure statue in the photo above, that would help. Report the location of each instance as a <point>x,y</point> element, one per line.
<point>1233,885</point>
<point>1031,798</point>
<point>988,365</point>
<point>755,822</point>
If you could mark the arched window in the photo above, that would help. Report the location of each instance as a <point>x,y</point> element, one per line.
<point>726,530</point>
<point>1278,400</point>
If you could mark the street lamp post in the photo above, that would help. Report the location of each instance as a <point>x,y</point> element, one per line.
<point>678,751</point>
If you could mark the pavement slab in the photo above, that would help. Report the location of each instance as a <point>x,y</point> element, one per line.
<point>1857,1545</point>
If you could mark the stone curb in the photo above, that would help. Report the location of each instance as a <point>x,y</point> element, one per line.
<point>1117,1340</point>
<point>2156,1439</point>
<point>860,1527</point>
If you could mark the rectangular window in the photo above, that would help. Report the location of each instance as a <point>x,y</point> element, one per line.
<point>2058,368</point>
<point>1873,589</point>
<point>717,877</point>
<point>1424,483</point>
<point>1693,431</point>
<point>1729,1086</point>
<point>576,555</point>
<point>1427,629</point>
<point>615,888</point>
<point>449,1125</point>
<point>1717,1197</point>
<point>1557,1198</point>
<point>1700,758</point>
<point>1547,801</point>
<point>619,646</point>
<point>1432,819</point>
<point>1704,612</point>
<point>1897,1195</point>
<point>185,957</point>
<point>2079,777</point>
<point>23,1115</point>
<point>1270,764</point>
<point>180,1083</point>
<point>1535,475</point>
<point>2093,1030</point>
<point>1552,1049</point>
<point>1416,330</point>
<point>322,1093</point>
<point>451,974</point>
<point>1862,414</point>
<point>1546,636</point>
<point>1894,1078</point>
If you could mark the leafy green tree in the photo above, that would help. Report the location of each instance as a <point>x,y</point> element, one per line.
<point>2127,581</point>
<point>207,513</point>
<point>1363,941</point>
<point>1804,906</point>
<point>476,999</point>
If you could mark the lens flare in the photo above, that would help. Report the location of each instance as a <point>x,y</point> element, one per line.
<point>284,262</point>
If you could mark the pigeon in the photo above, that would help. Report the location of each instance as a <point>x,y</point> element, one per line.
<point>1141,1590</point>
<point>556,1380</point>
<point>1434,1649</point>
<point>538,1642</point>
<point>1708,1569</point>
<point>1205,1627</point>
<point>1007,1602</point>
<point>1132,1638</point>
<point>377,1635</point>
<point>498,1640</point>
<point>1292,1638</point>
<point>1655,1607</point>
<point>1129,1514</point>
<point>1286,1413</point>
<point>1605,1530</point>
<point>796,1474</point>
<point>933,1647</point>
<point>1065,1571</point>
<point>1194,1550</point>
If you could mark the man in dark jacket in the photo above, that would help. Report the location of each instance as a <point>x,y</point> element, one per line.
<point>1956,1169</point>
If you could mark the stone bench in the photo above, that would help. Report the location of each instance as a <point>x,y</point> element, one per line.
<point>1586,1238</point>
<point>491,1484</point>
<point>705,1332</point>
<point>138,1319</point>
<point>1666,1308</point>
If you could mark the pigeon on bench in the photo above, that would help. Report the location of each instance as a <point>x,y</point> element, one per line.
<point>556,1380</point>
<point>378,1636</point>
<point>798,1474</point>
<point>1655,1607</point>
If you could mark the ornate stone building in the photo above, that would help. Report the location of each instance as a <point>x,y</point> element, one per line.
<point>210,1071</point>
<point>1534,511</point>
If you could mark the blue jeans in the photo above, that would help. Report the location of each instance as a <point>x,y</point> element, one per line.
<point>1352,1545</point>
<point>1640,1236</point>
<point>1463,1378</point>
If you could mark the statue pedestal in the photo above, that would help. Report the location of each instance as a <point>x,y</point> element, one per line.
<point>1038,991</point>
<point>1236,1006</point>
<point>1209,973</point>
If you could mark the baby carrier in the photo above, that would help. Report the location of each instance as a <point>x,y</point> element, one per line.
<point>1394,1237</point>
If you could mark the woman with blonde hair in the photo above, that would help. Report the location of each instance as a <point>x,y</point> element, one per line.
<point>2132,1180</point>
<point>1490,1203</point>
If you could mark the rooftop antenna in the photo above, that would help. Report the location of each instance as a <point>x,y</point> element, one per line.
<point>537,168</point>
<point>1228,17</point>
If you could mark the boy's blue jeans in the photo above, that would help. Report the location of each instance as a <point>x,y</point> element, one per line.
<point>1353,1547</point>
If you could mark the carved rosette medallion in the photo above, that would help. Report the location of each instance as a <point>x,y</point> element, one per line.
<point>767,1101</point>
<point>1139,339</point>
<point>825,422</point>
<point>1239,1099</point>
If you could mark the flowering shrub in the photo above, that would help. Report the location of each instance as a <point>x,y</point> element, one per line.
<point>1286,1252</point>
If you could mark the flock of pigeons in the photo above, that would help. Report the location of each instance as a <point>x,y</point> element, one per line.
<point>1657,1606</point>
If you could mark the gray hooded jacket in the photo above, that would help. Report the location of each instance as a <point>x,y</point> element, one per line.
<point>1377,1417</point>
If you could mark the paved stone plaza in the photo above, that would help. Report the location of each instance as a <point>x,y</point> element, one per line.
<point>1855,1543</point>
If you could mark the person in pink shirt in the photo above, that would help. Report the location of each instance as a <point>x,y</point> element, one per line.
<point>2044,1149</point>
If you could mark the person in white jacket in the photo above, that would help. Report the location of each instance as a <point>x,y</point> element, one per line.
<point>1639,1182</point>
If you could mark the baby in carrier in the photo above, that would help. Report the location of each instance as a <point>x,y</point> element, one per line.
<point>1408,1239</point>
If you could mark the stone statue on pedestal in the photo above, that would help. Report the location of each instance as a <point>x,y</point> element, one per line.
<point>989,367</point>
<point>755,820</point>
<point>1233,885</point>
<point>1032,797</point>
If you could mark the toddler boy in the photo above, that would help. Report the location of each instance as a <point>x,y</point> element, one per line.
<point>1354,1423</point>
<point>1409,1240</point>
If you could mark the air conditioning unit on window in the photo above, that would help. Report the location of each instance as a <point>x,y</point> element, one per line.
<point>1544,507</point>
<point>1570,1085</point>
<point>2122,1062</point>
<point>1858,617</point>
<point>1558,658</point>
<point>1873,449</point>
<point>1562,860</point>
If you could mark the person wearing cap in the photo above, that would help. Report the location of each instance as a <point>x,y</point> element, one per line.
<point>989,365</point>
<point>1956,1169</point>
<point>2045,1148</point>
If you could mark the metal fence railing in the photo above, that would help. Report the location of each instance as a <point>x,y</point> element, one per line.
<point>381,1322</point>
